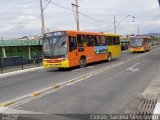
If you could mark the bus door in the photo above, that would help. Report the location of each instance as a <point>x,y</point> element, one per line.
<point>73,53</point>
<point>83,50</point>
<point>118,46</point>
<point>111,47</point>
<point>146,41</point>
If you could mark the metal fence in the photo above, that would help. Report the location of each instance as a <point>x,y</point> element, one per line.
<point>17,63</point>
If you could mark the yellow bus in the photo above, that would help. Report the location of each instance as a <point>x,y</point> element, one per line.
<point>140,44</point>
<point>65,49</point>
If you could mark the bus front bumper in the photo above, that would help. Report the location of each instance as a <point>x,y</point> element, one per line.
<point>137,49</point>
<point>64,64</point>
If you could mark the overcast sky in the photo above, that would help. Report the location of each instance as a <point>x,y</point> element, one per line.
<point>22,17</point>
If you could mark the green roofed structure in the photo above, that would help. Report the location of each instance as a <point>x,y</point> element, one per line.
<point>4,43</point>
<point>26,48</point>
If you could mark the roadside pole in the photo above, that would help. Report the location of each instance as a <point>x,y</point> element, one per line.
<point>21,61</point>
<point>1,64</point>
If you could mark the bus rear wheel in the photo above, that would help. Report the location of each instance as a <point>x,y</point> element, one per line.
<point>83,62</point>
<point>109,57</point>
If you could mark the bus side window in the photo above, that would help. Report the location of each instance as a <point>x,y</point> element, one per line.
<point>81,40</point>
<point>106,39</point>
<point>114,40</point>
<point>97,40</point>
<point>104,42</point>
<point>118,40</point>
<point>110,40</point>
<point>144,41</point>
<point>72,43</point>
<point>89,40</point>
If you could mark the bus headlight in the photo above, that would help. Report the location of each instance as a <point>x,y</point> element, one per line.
<point>65,57</point>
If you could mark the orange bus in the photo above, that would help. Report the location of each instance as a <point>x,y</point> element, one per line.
<point>140,44</point>
<point>64,49</point>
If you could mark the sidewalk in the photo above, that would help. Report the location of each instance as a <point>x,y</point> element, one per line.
<point>153,92</point>
<point>19,69</point>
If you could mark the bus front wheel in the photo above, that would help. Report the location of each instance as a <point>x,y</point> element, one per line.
<point>83,62</point>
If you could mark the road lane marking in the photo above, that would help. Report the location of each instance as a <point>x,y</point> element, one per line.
<point>90,67</point>
<point>35,94</point>
<point>8,103</point>
<point>78,69</point>
<point>133,69</point>
<point>56,86</point>
<point>44,70</point>
<point>96,72</point>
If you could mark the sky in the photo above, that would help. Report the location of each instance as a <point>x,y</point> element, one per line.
<point>22,17</point>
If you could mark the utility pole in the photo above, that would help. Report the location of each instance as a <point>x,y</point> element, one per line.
<point>114,24</point>
<point>138,29</point>
<point>77,14</point>
<point>42,18</point>
<point>1,37</point>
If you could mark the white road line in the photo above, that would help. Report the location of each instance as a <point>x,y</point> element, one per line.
<point>90,67</point>
<point>78,69</point>
<point>133,69</point>
<point>83,68</point>
<point>44,70</point>
<point>96,72</point>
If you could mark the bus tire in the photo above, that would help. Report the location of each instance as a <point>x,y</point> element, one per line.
<point>82,62</point>
<point>109,57</point>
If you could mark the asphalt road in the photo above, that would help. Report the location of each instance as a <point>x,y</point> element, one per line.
<point>21,84</point>
<point>106,92</point>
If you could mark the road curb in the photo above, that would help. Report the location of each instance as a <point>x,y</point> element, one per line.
<point>20,71</point>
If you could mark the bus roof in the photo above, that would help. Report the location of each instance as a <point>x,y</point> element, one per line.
<point>85,32</point>
<point>111,34</point>
<point>79,32</point>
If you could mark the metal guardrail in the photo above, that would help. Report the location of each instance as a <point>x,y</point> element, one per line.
<point>17,62</point>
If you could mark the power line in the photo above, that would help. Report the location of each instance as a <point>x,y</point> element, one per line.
<point>47,5</point>
<point>75,11</point>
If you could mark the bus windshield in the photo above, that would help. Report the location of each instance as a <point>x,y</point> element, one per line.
<point>55,45</point>
<point>136,42</point>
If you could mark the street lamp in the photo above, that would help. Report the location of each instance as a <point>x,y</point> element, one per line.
<point>138,29</point>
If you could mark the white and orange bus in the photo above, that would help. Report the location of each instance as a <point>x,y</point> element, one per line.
<point>140,44</point>
<point>65,49</point>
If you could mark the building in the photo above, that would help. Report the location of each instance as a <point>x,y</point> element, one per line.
<point>26,48</point>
